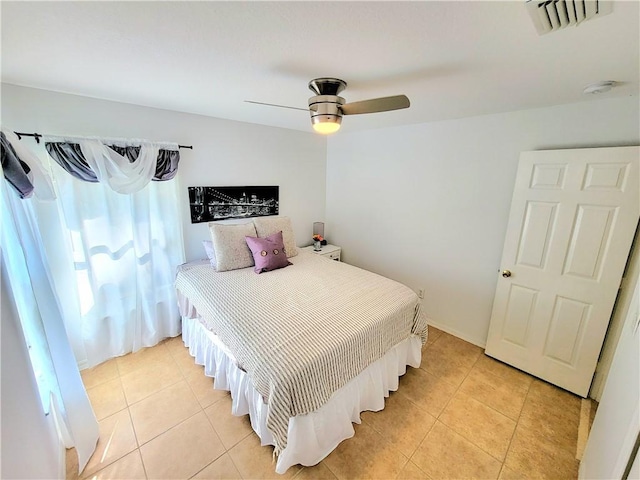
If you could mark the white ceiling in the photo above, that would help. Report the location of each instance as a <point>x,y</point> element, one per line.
<point>452,59</point>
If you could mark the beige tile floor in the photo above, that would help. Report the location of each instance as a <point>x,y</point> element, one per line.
<point>460,415</point>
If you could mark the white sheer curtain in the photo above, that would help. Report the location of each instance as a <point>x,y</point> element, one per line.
<point>125,248</point>
<point>25,269</point>
<point>92,272</point>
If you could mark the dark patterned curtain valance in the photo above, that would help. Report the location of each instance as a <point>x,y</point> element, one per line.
<point>23,170</point>
<point>15,170</point>
<point>69,156</point>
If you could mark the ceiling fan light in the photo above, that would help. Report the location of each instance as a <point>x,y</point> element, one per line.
<point>326,124</point>
<point>326,128</point>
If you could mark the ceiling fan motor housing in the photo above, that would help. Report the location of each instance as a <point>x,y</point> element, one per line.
<point>326,108</point>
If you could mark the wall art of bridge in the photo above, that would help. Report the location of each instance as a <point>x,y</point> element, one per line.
<point>219,203</point>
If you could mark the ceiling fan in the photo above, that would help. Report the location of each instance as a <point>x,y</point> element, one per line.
<point>327,108</point>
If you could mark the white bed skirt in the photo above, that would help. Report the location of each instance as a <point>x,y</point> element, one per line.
<point>313,436</point>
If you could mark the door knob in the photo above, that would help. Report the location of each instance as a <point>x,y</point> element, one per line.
<point>506,273</point>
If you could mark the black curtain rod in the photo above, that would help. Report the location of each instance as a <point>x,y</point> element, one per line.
<point>37,136</point>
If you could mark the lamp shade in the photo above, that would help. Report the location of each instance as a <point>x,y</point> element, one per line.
<point>318,228</point>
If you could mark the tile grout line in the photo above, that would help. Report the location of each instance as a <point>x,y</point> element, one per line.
<point>226,450</point>
<point>437,418</point>
<point>408,457</point>
<point>153,393</point>
<point>422,352</point>
<point>233,461</point>
<point>471,440</point>
<point>516,427</point>
<point>171,428</point>
<point>125,454</point>
<point>403,465</point>
<point>133,427</point>
<point>495,409</point>
<point>463,436</point>
<point>420,444</point>
<point>156,392</point>
<point>135,434</point>
<point>457,388</point>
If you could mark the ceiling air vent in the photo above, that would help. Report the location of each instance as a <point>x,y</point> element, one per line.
<point>552,15</point>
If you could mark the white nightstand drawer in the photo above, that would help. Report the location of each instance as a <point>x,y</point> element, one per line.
<point>333,255</point>
<point>330,251</point>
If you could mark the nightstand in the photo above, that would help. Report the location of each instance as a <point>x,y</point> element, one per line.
<point>328,250</point>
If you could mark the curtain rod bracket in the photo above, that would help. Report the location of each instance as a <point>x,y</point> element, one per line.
<point>34,135</point>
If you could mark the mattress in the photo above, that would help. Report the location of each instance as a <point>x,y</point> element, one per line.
<point>302,332</point>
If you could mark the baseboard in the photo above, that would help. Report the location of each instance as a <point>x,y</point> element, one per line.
<point>584,427</point>
<point>451,331</point>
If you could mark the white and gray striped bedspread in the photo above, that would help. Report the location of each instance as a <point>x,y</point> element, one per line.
<point>302,332</point>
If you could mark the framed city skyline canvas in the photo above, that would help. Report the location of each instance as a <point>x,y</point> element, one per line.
<point>208,204</point>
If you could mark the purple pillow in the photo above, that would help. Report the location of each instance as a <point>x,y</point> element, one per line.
<point>268,253</point>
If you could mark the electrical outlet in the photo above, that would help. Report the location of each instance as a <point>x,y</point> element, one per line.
<point>421,293</point>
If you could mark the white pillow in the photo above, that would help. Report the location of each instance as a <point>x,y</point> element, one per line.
<point>211,253</point>
<point>230,246</point>
<point>266,226</point>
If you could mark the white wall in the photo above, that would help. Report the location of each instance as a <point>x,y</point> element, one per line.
<point>428,204</point>
<point>30,445</point>
<point>224,152</point>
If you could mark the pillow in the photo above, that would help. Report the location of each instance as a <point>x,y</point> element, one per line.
<point>231,249</point>
<point>266,226</point>
<point>268,253</point>
<point>211,253</point>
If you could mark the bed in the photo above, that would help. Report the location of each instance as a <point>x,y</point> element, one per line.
<point>302,349</point>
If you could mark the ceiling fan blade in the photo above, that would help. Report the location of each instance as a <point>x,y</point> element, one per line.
<point>274,105</point>
<point>383,104</point>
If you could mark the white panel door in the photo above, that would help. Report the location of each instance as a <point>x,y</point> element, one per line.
<point>573,217</point>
